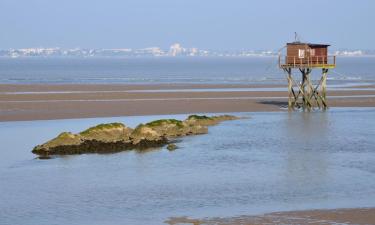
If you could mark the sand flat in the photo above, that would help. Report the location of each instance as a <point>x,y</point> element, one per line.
<point>332,216</point>
<point>40,102</point>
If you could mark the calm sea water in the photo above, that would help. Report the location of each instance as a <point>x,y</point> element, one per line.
<point>269,162</point>
<point>225,70</point>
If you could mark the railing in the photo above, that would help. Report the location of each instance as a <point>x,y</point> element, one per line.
<point>312,61</point>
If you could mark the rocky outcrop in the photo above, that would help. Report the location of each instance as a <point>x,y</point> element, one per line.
<point>112,132</point>
<point>176,128</point>
<point>208,121</point>
<point>103,138</point>
<point>114,137</point>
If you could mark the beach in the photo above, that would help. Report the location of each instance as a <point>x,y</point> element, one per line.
<point>318,217</point>
<point>187,112</point>
<point>29,102</point>
<point>271,166</point>
<point>52,101</point>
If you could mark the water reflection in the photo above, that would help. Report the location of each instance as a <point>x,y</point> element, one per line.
<point>307,133</point>
<point>270,162</point>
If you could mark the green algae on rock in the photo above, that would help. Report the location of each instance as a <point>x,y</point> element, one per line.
<point>156,123</point>
<point>175,128</point>
<point>114,137</point>
<point>65,138</point>
<point>99,139</point>
<point>107,132</point>
<point>144,133</point>
<point>208,121</point>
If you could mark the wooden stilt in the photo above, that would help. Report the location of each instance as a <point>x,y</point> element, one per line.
<point>309,89</point>
<point>290,89</point>
<point>305,90</point>
<point>309,95</point>
<point>324,87</point>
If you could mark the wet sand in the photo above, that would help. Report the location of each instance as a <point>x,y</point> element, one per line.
<point>334,216</point>
<point>41,102</point>
<point>116,87</point>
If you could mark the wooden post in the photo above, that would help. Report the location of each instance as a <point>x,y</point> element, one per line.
<point>309,85</point>
<point>307,89</point>
<point>303,88</point>
<point>324,87</point>
<point>290,89</point>
<point>309,95</point>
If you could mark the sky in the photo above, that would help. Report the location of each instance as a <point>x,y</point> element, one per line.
<point>205,24</point>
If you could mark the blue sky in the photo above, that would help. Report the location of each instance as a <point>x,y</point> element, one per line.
<point>207,24</point>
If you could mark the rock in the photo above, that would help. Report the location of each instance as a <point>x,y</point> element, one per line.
<point>114,137</point>
<point>111,132</point>
<point>167,127</point>
<point>143,136</point>
<point>225,118</point>
<point>103,138</point>
<point>172,147</point>
<point>208,121</point>
<point>195,129</point>
<point>175,128</point>
<point>87,146</point>
<point>63,140</point>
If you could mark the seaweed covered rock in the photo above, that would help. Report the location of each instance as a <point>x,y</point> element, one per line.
<point>110,132</point>
<point>114,137</point>
<point>143,134</point>
<point>63,140</point>
<point>208,121</point>
<point>175,128</point>
<point>167,127</point>
<point>103,138</point>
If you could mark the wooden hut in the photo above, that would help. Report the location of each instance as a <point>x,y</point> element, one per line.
<point>304,55</point>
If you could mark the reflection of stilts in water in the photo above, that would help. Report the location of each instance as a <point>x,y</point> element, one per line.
<point>305,57</point>
<point>306,163</point>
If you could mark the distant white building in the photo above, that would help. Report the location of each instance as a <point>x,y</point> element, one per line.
<point>349,53</point>
<point>176,49</point>
<point>193,52</point>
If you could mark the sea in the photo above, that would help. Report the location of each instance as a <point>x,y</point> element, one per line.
<point>265,162</point>
<point>164,70</point>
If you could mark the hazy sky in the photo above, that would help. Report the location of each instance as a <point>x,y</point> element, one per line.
<point>207,24</point>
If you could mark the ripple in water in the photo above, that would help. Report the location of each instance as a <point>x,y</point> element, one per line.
<point>270,162</point>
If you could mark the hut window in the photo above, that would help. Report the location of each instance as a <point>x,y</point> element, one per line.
<point>301,53</point>
<point>312,52</point>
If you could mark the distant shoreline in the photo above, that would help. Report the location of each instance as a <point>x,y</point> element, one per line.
<point>165,56</point>
<point>48,102</point>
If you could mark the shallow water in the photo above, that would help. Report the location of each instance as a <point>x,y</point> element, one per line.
<point>270,162</point>
<point>186,70</point>
<point>352,87</point>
